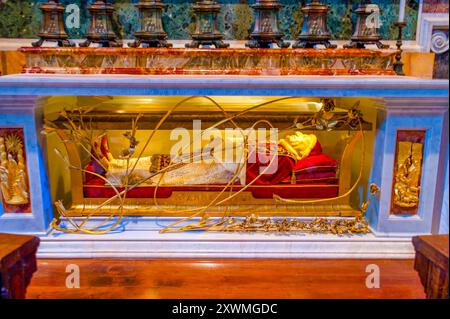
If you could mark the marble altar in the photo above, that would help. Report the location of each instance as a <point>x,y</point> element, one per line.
<point>400,103</point>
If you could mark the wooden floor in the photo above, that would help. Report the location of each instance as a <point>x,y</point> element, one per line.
<point>286,279</point>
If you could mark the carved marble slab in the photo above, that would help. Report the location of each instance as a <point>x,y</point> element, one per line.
<point>162,61</point>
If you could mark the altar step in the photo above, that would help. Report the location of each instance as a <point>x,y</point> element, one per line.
<point>241,279</point>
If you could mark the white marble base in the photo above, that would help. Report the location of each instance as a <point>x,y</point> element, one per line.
<point>142,240</point>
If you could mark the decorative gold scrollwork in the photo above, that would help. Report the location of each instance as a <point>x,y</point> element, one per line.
<point>254,223</point>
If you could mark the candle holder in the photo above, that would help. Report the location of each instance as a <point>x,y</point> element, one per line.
<point>206,27</point>
<point>398,64</point>
<point>315,28</point>
<point>101,29</point>
<point>52,27</point>
<point>367,27</point>
<point>266,31</point>
<point>151,32</point>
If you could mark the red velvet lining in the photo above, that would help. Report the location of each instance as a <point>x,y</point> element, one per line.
<point>315,163</point>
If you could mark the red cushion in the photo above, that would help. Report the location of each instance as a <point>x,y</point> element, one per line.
<point>315,163</point>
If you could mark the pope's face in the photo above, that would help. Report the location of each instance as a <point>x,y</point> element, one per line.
<point>299,140</point>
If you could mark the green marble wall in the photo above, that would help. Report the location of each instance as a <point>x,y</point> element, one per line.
<point>21,18</point>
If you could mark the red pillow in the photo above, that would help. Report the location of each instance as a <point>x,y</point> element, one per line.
<point>315,164</point>
<point>316,176</point>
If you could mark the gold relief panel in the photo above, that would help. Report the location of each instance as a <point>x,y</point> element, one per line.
<point>14,184</point>
<point>407,172</point>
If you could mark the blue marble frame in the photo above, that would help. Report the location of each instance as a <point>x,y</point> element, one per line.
<point>41,214</point>
<point>324,86</point>
<point>382,221</point>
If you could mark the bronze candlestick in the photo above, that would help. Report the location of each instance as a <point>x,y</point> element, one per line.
<point>367,27</point>
<point>52,27</point>
<point>101,29</point>
<point>206,27</point>
<point>151,32</point>
<point>398,64</point>
<point>266,31</point>
<point>315,28</point>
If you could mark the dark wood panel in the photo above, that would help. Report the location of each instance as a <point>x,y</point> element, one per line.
<point>432,253</point>
<point>17,264</point>
<point>226,279</point>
